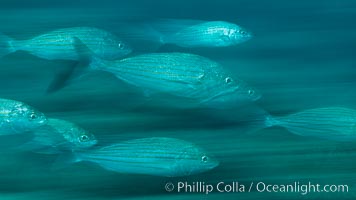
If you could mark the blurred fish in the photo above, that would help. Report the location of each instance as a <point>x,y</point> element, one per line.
<point>333,123</point>
<point>179,74</point>
<point>152,156</point>
<point>59,44</point>
<point>17,117</point>
<point>191,33</point>
<point>59,136</point>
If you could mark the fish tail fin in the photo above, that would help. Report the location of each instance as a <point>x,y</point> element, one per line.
<point>249,119</point>
<point>271,121</point>
<point>65,160</point>
<point>297,130</point>
<point>72,73</point>
<point>258,122</point>
<point>141,36</point>
<point>6,45</point>
<point>28,146</point>
<point>168,27</point>
<point>142,31</point>
<point>152,34</point>
<point>37,147</point>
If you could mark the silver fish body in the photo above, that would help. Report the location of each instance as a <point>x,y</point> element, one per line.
<point>333,123</point>
<point>59,44</point>
<point>60,136</point>
<point>181,74</point>
<point>17,117</point>
<point>152,156</point>
<point>209,34</point>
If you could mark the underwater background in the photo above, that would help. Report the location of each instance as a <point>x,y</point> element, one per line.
<point>302,56</point>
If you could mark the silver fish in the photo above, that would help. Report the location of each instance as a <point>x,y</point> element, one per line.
<point>152,156</point>
<point>17,117</point>
<point>186,33</point>
<point>333,123</point>
<point>59,44</point>
<point>181,74</point>
<point>190,76</point>
<point>59,136</point>
<point>206,34</point>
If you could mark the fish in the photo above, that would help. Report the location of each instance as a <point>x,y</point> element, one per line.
<point>208,34</point>
<point>190,76</point>
<point>59,44</point>
<point>59,136</point>
<point>332,123</point>
<point>181,74</point>
<point>156,156</point>
<point>188,33</point>
<point>17,117</point>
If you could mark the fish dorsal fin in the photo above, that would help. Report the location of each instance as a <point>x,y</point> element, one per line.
<point>75,71</point>
<point>171,26</point>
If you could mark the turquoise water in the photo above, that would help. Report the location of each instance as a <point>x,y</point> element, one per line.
<point>302,56</point>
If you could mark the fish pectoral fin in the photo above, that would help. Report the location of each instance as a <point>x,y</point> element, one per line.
<point>225,38</point>
<point>192,83</point>
<point>75,71</point>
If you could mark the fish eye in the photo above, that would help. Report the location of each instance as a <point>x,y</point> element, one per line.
<point>251,92</point>
<point>204,159</point>
<point>33,116</point>
<point>120,45</point>
<point>83,138</point>
<point>228,80</point>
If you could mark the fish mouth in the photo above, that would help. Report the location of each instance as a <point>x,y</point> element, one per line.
<point>256,97</point>
<point>244,39</point>
<point>43,120</point>
<point>201,169</point>
<point>214,164</point>
<point>248,35</point>
<point>93,142</point>
<point>129,50</point>
<point>90,143</point>
<point>247,38</point>
<point>220,95</point>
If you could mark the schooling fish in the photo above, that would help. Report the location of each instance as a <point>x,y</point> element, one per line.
<point>59,44</point>
<point>333,123</point>
<point>17,117</point>
<point>191,33</point>
<point>208,34</point>
<point>179,74</point>
<point>156,156</point>
<point>58,136</point>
